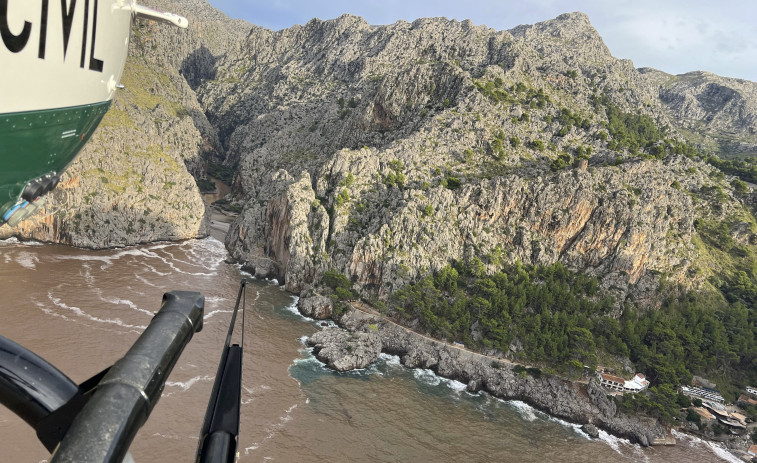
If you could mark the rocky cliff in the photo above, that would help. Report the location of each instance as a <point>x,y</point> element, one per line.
<point>717,112</point>
<point>366,336</point>
<point>133,182</point>
<point>384,151</point>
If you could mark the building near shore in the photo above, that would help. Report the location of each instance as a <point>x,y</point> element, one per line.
<point>618,384</point>
<point>611,382</point>
<point>704,413</point>
<point>637,384</point>
<point>703,393</point>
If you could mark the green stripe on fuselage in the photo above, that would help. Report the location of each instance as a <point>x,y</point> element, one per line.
<point>35,143</point>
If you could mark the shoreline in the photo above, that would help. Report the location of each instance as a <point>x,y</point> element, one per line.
<point>580,403</point>
<point>585,404</point>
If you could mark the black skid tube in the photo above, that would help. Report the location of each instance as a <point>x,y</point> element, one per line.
<point>31,387</point>
<point>123,400</point>
<point>220,429</point>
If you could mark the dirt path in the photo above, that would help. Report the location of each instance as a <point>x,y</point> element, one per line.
<point>357,305</point>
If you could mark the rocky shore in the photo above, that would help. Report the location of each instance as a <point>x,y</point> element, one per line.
<point>363,336</point>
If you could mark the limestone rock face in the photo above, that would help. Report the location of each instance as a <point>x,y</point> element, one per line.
<point>385,151</point>
<point>722,110</point>
<point>343,350</point>
<point>318,307</point>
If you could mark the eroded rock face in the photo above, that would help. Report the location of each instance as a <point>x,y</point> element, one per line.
<point>318,307</point>
<point>343,350</point>
<point>385,151</point>
<point>133,182</point>
<point>722,109</point>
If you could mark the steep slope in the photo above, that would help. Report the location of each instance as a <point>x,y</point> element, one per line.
<point>385,151</point>
<point>133,182</point>
<point>717,112</point>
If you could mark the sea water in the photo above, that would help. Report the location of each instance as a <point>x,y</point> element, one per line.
<point>81,310</point>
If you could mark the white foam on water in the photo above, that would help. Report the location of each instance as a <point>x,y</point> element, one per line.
<point>146,281</point>
<point>215,299</point>
<point>214,312</point>
<point>716,448</point>
<point>154,270</point>
<point>167,436</point>
<point>81,313</point>
<point>170,264</point>
<point>456,385</point>
<point>292,308</point>
<point>426,376</point>
<point>390,359</point>
<point>616,443</point>
<point>27,260</point>
<point>106,260</point>
<point>126,302</point>
<point>12,241</point>
<point>526,411</point>
<point>208,249</point>
<point>86,273</point>
<point>575,427</point>
<point>274,429</point>
<point>185,385</point>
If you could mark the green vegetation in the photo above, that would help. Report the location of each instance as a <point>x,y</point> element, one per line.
<point>532,97</point>
<point>206,185</point>
<point>395,177</point>
<point>494,90</point>
<point>536,144</point>
<point>342,198</point>
<point>342,287</point>
<point>562,320</point>
<point>563,160</point>
<point>451,183</point>
<point>745,169</point>
<point>221,172</point>
<point>632,131</point>
<point>569,120</point>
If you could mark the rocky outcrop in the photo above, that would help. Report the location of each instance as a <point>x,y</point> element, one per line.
<point>343,350</point>
<point>318,307</point>
<point>584,403</point>
<point>721,111</point>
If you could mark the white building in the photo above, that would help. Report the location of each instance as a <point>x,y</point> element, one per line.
<point>618,384</point>
<point>637,384</point>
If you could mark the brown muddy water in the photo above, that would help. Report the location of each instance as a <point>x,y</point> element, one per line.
<point>81,310</point>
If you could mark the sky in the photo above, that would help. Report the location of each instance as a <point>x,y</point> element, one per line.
<point>675,36</point>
